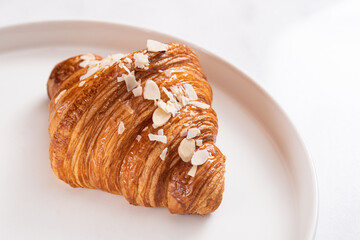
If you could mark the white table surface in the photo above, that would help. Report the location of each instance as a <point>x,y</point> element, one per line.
<point>305,53</point>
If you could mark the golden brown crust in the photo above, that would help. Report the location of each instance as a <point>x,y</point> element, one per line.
<point>87,151</point>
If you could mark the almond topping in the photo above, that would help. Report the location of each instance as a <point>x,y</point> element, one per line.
<point>121,128</point>
<point>200,157</point>
<point>183,133</point>
<point>169,94</point>
<point>137,91</point>
<point>186,149</point>
<point>160,117</point>
<point>199,104</point>
<point>155,46</point>
<point>130,81</point>
<point>163,154</point>
<point>151,90</point>
<point>141,60</point>
<point>193,132</point>
<point>167,73</point>
<point>158,138</point>
<point>161,132</point>
<point>127,60</point>
<point>138,137</point>
<point>81,83</point>
<point>199,142</point>
<point>190,92</point>
<point>192,171</point>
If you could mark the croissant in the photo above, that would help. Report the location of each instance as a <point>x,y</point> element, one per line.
<point>140,126</point>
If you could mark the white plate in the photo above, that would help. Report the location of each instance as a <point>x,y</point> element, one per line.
<point>270,190</point>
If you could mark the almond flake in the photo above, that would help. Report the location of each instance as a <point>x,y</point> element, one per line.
<point>186,149</point>
<point>138,137</point>
<point>190,92</point>
<point>121,128</point>
<point>199,104</point>
<point>126,69</point>
<point>171,108</point>
<point>161,104</point>
<point>154,126</point>
<point>88,56</point>
<point>158,138</point>
<point>160,117</point>
<point>88,60</point>
<point>200,157</point>
<point>199,142</point>
<point>90,72</point>
<point>184,100</point>
<point>193,132</point>
<point>192,171</point>
<point>161,132</point>
<point>121,65</point>
<point>145,128</point>
<point>130,81</point>
<point>117,56</point>
<point>127,60</point>
<point>141,60</point>
<point>167,72</point>
<point>151,90</point>
<point>81,83</point>
<point>155,46</point>
<point>60,95</point>
<point>122,78</point>
<point>163,154</point>
<point>137,91</point>
<point>169,94</point>
<point>183,133</point>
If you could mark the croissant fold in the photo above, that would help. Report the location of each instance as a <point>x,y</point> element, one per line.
<point>140,126</point>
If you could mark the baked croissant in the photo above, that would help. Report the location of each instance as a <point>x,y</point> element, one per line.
<point>140,126</point>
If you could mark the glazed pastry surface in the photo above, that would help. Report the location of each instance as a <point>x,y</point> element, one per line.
<point>89,148</point>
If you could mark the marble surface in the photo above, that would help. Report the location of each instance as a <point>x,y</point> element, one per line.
<point>304,53</point>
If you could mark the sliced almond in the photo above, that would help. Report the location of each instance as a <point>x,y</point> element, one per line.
<point>199,142</point>
<point>186,149</point>
<point>193,132</point>
<point>151,90</point>
<point>121,128</point>
<point>127,60</point>
<point>155,46</point>
<point>163,154</point>
<point>190,92</point>
<point>161,132</point>
<point>130,81</point>
<point>199,104</point>
<point>137,91</point>
<point>141,60</point>
<point>160,117</point>
<point>158,138</point>
<point>81,83</point>
<point>192,171</point>
<point>169,94</point>
<point>167,72</point>
<point>90,72</point>
<point>200,157</point>
<point>138,137</point>
<point>183,133</point>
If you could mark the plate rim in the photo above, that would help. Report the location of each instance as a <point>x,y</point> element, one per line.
<point>315,215</point>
